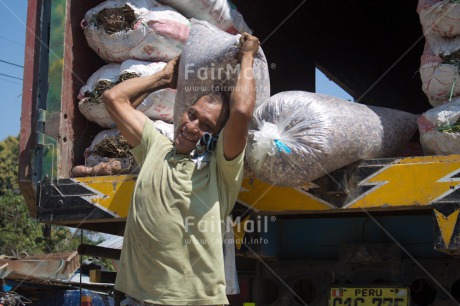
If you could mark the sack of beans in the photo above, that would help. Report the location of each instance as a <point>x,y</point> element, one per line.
<point>301,136</point>
<point>110,145</point>
<point>209,63</point>
<point>440,129</point>
<point>439,71</point>
<point>221,13</point>
<point>109,153</point>
<point>157,105</point>
<point>442,17</point>
<point>118,30</point>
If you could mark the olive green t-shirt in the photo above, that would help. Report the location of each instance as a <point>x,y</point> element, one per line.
<point>172,251</point>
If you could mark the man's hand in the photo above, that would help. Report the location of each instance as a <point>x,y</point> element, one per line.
<point>170,71</point>
<point>249,45</point>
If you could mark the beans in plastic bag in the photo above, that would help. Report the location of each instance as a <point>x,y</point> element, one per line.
<point>298,136</point>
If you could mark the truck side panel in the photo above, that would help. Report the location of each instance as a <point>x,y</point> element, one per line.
<point>29,96</point>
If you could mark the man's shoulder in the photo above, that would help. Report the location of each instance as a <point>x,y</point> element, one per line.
<point>159,132</point>
<point>153,144</point>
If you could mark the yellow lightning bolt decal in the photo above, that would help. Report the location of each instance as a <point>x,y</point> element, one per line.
<point>446,225</point>
<point>410,181</point>
<point>261,196</point>
<point>115,192</point>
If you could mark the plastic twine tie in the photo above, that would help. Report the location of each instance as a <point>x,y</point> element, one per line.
<point>452,89</point>
<point>281,146</point>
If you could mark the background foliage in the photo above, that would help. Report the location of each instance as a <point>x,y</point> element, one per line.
<point>20,235</point>
<point>9,155</point>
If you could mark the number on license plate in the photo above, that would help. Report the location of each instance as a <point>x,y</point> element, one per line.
<point>365,296</point>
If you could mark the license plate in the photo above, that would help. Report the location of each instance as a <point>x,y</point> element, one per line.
<point>369,296</point>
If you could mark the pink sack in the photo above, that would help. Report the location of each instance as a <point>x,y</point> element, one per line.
<point>157,35</point>
<point>440,17</point>
<point>221,13</point>
<point>439,79</point>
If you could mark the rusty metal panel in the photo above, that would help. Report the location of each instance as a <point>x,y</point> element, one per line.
<point>28,111</point>
<point>56,266</point>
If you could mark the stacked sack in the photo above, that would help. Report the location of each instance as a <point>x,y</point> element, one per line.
<point>439,72</point>
<point>136,38</point>
<point>109,153</point>
<point>221,13</point>
<point>118,30</point>
<point>440,129</point>
<point>157,105</point>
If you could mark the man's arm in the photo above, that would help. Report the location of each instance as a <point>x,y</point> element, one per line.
<point>122,100</point>
<point>242,100</point>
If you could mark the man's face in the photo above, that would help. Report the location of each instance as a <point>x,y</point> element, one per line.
<point>203,116</point>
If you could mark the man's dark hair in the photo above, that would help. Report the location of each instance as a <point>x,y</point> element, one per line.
<point>222,98</point>
<point>216,97</point>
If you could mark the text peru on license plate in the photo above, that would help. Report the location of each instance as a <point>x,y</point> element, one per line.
<point>369,296</point>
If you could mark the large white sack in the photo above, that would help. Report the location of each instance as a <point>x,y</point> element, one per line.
<point>157,105</point>
<point>141,68</point>
<point>439,130</point>
<point>221,13</point>
<point>158,34</point>
<point>300,136</point>
<point>109,73</point>
<point>209,63</point>
<point>440,80</point>
<point>442,46</point>
<point>441,17</point>
<point>90,109</point>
